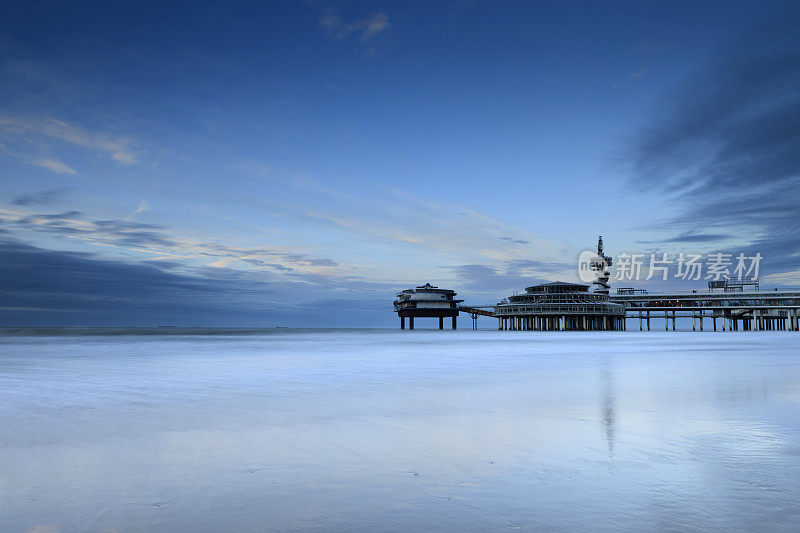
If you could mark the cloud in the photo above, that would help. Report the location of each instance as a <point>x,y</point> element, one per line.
<point>44,528</point>
<point>134,233</point>
<point>55,280</point>
<point>699,237</point>
<point>39,135</point>
<point>264,257</point>
<point>264,264</point>
<point>50,288</point>
<point>515,241</point>
<point>117,232</point>
<point>54,165</point>
<point>366,29</point>
<point>140,209</point>
<point>118,148</point>
<point>726,146</point>
<point>372,26</point>
<point>157,239</point>
<point>690,237</point>
<point>632,76</point>
<point>438,231</point>
<point>45,197</point>
<point>514,275</point>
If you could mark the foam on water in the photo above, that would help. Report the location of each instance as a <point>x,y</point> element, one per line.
<point>389,430</point>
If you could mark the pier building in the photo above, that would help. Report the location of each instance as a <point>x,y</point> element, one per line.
<point>560,306</point>
<point>427,301</point>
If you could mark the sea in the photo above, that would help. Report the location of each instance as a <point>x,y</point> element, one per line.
<point>233,430</point>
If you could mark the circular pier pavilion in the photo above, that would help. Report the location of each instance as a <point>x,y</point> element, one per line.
<point>560,306</point>
<point>426,301</point>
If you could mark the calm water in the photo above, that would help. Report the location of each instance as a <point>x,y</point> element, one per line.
<point>400,431</point>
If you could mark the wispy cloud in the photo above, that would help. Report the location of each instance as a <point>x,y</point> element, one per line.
<point>631,76</point>
<point>119,232</point>
<point>33,138</point>
<point>140,209</point>
<point>365,29</point>
<point>45,197</point>
<point>692,237</point>
<point>54,165</point>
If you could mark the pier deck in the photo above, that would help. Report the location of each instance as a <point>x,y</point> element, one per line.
<point>754,310</point>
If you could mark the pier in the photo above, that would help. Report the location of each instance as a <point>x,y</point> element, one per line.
<point>727,305</point>
<point>427,301</point>
<point>753,310</point>
<point>745,310</point>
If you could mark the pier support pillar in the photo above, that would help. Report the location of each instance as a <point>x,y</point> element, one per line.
<point>411,322</point>
<point>441,322</point>
<point>402,322</point>
<point>454,323</point>
<point>640,321</point>
<point>714,320</point>
<point>701,320</point>
<point>666,320</point>
<point>648,321</point>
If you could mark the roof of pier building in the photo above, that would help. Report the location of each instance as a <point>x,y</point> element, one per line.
<point>557,287</point>
<point>428,288</point>
<point>559,298</point>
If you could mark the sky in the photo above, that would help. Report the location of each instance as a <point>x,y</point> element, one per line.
<point>299,163</point>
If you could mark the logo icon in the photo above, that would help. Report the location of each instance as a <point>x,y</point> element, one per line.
<point>591,266</point>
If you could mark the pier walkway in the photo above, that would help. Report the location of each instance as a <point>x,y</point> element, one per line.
<point>753,310</point>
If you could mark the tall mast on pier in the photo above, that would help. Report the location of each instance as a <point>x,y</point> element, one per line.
<point>601,264</point>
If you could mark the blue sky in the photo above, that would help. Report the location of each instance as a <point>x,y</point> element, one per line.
<point>299,162</point>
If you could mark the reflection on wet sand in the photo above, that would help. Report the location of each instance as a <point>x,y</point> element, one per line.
<point>607,402</point>
<point>380,431</point>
